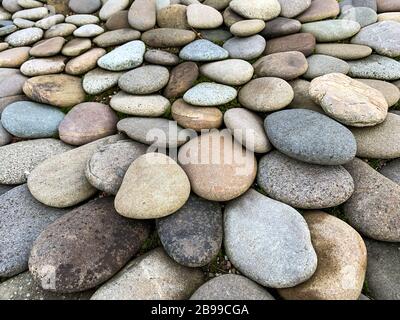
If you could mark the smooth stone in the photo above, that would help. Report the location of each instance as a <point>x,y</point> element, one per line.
<point>142,15</point>
<point>342,261</point>
<point>88,31</point>
<point>154,186</point>
<point>203,17</point>
<point>215,35</point>
<point>208,94</point>
<point>256,226</point>
<point>85,62</point>
<point>87,122</point>
<point>389,90</point>
<point>125,57</point>
<point>22,220</point>
<point>225,170</point>
<point>285,65</point>
<point>193,235</point>
<point>173,16</point>
<point>60,30</point>
<point>182,78</point>
<point>4,46</point>
<point>140,105</point>
<point>231,17</point>
<point>320,65</point>
<point>383,274</point>
<point>60,180</point>
<point>156,132</point>
<point>234,72</point>
<point>343,51</point>
<point>196,118</point>
<point>256,9</point>
<point>161,57</point>
<point>48,48</point>
<point>303,42</point>
<point>43,66</point>
<point>5,188</point>
<point>144,80</point>
<point>58,90</point>
<point>168,37</point>
<point>14,57</point>
<point>118,20</point>
<point>290,8</point>
<point>4,102</point>
<point>303,185</point>
<point>116,37</point>
<point>5,138</point>
<point>231,287</point>
<point>74,241</point>
<point>217,4</point>
<point>247,28</point>
<point>76,47</point>
<point>203,50</point>
<point>389,16</point>
<point>87,6</point>
<point>310,137</point>
<point>375,67</point>
<point>320,10</point>
<point>48,22</point>
<point>30,120</point>
<point>387,5</point>
<point>24,37</point>
<point>31,14</point>
<point>266,94</point>
<point>382,37</point>
<point>11,85</point>
<point>302,98</point>
<point>391,171</point>
<point>24,287</point>
<point>20,158</point>
<point>349,101</point>
<point>112,7</point>
<point>99,80</point>
<point>344,4</point>
<point>381,141</point>
<point>279,27</point>
<point>18,23</point>
<point>247,48</point>
<point>6,30</point>
<point>363,15</point>
<point>331,30</point>
<point>374,206</point>
<point>168,280</point>
<point>82,19</point>
<point>107,167</point>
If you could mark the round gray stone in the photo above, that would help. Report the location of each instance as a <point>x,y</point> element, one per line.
<point>319,65</point>
<point>247,48</point>
<point>203,50</point>
<point>207,94</point>
<point>375,67</point>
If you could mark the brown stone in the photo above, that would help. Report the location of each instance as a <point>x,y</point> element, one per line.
<point>75,47</point>
<point>320,10</point>
<point>85,62</point>
<point>167,37</point>
<point>182,78</point>
<point>61,6</point>
<point>280,27</point>
<point>14,57</point>
<point>47,48</point>
<point>88,122</point>
<point>388,5</point>
<point>285,65</point>
<point>218,167</point>
<point>173,16</point>
<point>196,118</point>
<point>342,261</point>
<point>389,90</point>
<point>58,90</point>
<point>303,42</point>
<point>118,20</point>
<point>302,98</point>
<point>231,17</point>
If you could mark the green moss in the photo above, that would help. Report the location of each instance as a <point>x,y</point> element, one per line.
<point>233,104</point>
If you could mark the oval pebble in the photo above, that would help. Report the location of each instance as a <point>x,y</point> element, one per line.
<point>210,94</point>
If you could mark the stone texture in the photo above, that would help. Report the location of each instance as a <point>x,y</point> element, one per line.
<point>302,98</point>
<point>173,16</point>
<point>290,8</point>
<point>320,10</point>
<point>168,37</point>
<point>234,72</point>
<point>14,57</point>
<point>303,42</point>
<point>43,66</point>
<point>345,51</point>
<point>24,37</point>
<point>99,80</point>
<point>387,5</point>
<point>118,20</point>
<point>391,170</point>
<point>319,65</point>
<point>47,48</point>
<point>389,90</point>
<point>256,9</point>
<point>181,79</point>
<point>142,14</point>
<point>206,94</point>
<point>203,17</point>
<point>280,27</point>
<point>247,28</point>
<point>375,67</point>
<point>76,46</point>
<point>112,7</point>
<point>331,30</point>
<point>203,50</point>
<point>85,62</point>
<point>247,48</point>
<point>161,57</point>
<point>363,15</point>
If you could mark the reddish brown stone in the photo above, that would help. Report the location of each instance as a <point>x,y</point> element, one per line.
<point>303,42</point>
<point>182,78</point>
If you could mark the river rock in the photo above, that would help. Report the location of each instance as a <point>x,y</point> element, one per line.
<point>76,46</point>
<point>319,65</point>
<point>112,7</point>
<point>234,72</point>
<point>310,137</point>
<point>342,261</point>
<point>11,82</point>
<point>247,28</point>
<point>193,235</point>
<point>60,180</point>
<point>207,94</point>
<point>279,27</point>
<point>88,6</point>
<point>387,5</point>
<point>389,90</point>
<point>262,224</point>
<point>82,19</point>
<point>302,98</point>
<point>43,66</point>
<point>6,138</point>
<point>290,8</point>
<point>256,9</point>
<point>14,57</point>
<point>99,80</point>
<point>173,16</point>
<point>161,57</point>
<point>375,67</point>
<point>303,185</point>
<point>24,37</point>
<point>181,79</point>
<point>168,37</point>
<point>203,50</point>
<point>107,167</point>
<point>303,42</point>
<point>142,14</point>
<point>150,174</point>
<point>332,30</point>
<point>85,62</point>
<point>320,10</point>
<point>345,51</point>
<point>203,17</point>
<point>391,170</point>
<point>60,30</point>
<point>247,48</point>
<point>48,48</point>
<point>225,170</point>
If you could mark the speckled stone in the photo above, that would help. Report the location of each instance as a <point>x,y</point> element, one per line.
<point>48,48</point>
<point>5,137</point>
<point>207,94</point>
<point>169,280</point>
<point>74,240</point>
<point>161,57</point>
<point>30,120</point>
<point>85,62</point>
<point>231,287</point>
<point>247,28</point>
<point>387,5</point>
<point>233,72</point>
<point>310,137</point>
<point>181,79</point>
<point>256,9</point>
<point>99,80</point>
<point>319,65</point>
<point>320,10</point>
<point>20,158</point>
<point>173,16</point>
<point>373,209</point>
<point>112,7</point>
<point>60,180</point>
<point>331,30</point>
<point>203,17</point>
<point>203,50</point>
<point>118,20</point>
<point>391,170</point>
<point>116,37</point>
<point>363,15</point>
<point>389,90</point>
<point>11,82</point>
<point>193,235</point>
<point>22,220</point>
<point>302,98</point>
<point>60,30</point>
<point>345,51</point>
<point>256,227</point>
<point>303,42</point>
<point>24,37</point>
<point>375,67</point>
<point>303,185</point>
<point>75,47</point>
<point>142,14</point>
<point>107,167</point>
<point>167,37</point>
<point>292,8</point>
<point>246,48</point>
<point>43,66</point>
<point>88,6</point>
<point>82,19</point>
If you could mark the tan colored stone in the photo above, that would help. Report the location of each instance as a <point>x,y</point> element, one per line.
<point>320,10</point>
<point>47,48</point>
<point>85,62</point>
<point>349,101</point>
<point>342,261</point>
<point>173,16</point>
<point>345,51</point>
<point>14,57</point>
<point>43,66</point>
<point>75,47</point>
<point>389,90</point>
<point>393,16</point>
